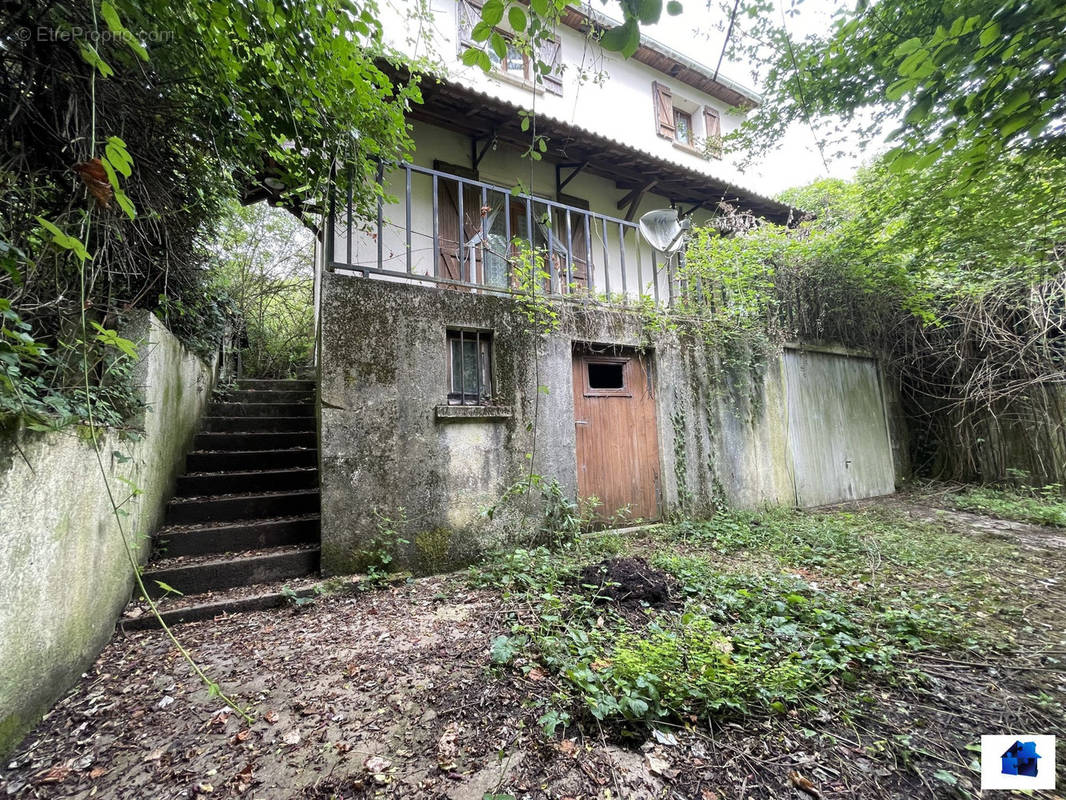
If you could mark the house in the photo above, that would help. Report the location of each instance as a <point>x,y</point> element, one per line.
<point>1020,759</point>
<point>440,388</point>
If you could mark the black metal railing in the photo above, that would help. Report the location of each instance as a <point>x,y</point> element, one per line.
<point>473,235</point>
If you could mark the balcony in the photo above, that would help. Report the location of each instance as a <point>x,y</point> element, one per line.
<point>465,234</point>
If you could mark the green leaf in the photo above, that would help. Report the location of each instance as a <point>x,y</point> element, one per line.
<point>166,587</point>
<point>125,203</point>
<point>89,54</point>
<point>900,88</point>
<point>647,11</point>
<point>499,46</point>
<point>907,47</point>
<point>945,777</point>
<point>517,18</point>
<point>107,11</point>
<point>470,56</point>
<point>989,34</point>
<point>540,7</point>
<point>624,39</point>
<point>492,12</point>
<point>919,110</point>
<point>674,8</point>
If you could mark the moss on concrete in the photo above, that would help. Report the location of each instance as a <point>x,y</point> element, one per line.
<point>67,575</point>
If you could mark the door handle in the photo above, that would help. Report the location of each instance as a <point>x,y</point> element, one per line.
<point>581,422</point>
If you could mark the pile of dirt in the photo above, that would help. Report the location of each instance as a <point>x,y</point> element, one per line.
<point>627,581</point>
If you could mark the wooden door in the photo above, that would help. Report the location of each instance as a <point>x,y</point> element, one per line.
<point>617,443</point>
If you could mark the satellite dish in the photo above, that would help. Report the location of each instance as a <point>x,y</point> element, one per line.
<point>663,230</point>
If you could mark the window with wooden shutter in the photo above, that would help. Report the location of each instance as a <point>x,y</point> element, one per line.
<point>469,14</point>
<point>550,54</point>
<point>664,109</point>
<point>713,128</point>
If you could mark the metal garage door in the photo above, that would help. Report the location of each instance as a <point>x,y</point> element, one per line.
<point>837,429</point>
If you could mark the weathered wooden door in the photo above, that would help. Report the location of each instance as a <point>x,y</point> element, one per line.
<point>617,443</point>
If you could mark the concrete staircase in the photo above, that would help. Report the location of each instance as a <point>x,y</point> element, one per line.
<point>244,521</point>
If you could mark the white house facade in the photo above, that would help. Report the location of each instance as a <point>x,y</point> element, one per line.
<point>616,138</point>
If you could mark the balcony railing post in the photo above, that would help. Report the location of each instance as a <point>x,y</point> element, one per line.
<point>436,228</point>
<point>348,215</point>
<point>462,228</point>
<point>381,215</point>
<point>407,188</point>
<point>590,272</point>
<point>331,226</point>
<point>606,262</point>
<point>532,245</point>
<point>553,273</point>
<point>569,255</point>
<point>482,213</point>
<point>622,254</point>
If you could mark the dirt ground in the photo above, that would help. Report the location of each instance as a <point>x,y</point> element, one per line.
<point>391,693</point>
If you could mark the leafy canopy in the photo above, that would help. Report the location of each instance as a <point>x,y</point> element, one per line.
<point>971,78</point>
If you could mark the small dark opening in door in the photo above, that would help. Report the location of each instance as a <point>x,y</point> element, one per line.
<point>606,375</point>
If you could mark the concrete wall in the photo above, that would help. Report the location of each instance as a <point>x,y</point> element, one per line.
<point>723,432</point>
<point>65,572</point>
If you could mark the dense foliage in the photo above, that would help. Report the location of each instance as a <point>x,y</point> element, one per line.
<point>128,126</point>
<point>973,79</point>
<point>264,265</point>
<point>958,285</point>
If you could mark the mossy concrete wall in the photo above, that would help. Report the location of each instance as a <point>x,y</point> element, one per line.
<point>65,572</point>
<point>392,467</point>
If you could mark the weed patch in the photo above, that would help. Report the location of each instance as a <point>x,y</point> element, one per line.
<point>1044,505</point>
<point>849,599</point>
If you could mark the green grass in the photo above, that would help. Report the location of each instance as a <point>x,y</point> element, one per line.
<point>1044,505</point>
<point>773,608</point>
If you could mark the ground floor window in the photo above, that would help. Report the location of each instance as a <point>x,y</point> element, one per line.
<point>469,367</point>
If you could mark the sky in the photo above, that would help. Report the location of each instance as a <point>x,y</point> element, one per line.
<point>699,34</point>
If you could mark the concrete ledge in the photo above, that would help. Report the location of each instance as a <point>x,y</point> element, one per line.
<point>460,413</point>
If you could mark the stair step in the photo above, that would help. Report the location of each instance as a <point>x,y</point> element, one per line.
<point>254,441</point>
<point>271,396</point>
<point>227,409</point>
<point>267,480</point>
<point>227,508</point>
<point>276,384</point>
<point>278,424</point>
<point>208,605</point>
<point>196,540</point>
<point>248,460</point>
<point>225,573</point>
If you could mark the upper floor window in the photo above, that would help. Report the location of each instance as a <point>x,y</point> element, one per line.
<point>515,63</point>
<point>680,120</point>
<point>682,127</point>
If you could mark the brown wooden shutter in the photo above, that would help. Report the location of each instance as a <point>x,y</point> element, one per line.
<point>713,126</point>
<point>451,267</point>
<point>550,54</point>
<point>664,109</point>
